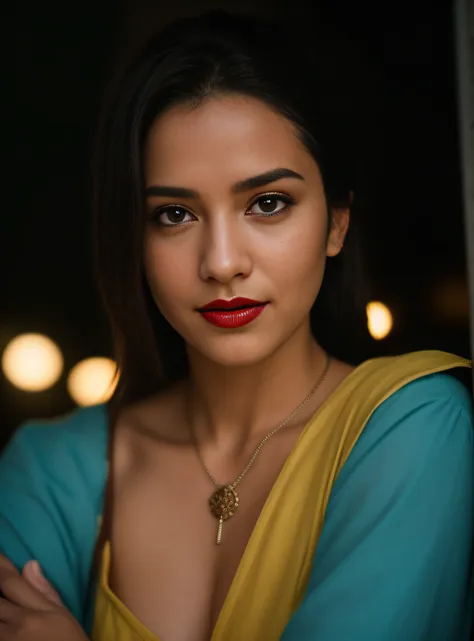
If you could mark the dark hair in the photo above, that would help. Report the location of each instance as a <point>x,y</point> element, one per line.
<point>189,61</point>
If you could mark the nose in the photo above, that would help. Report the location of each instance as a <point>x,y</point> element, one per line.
<point>225,252</point>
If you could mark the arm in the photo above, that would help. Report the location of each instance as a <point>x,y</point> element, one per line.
<point>394,558</point>
<point>49,501</point>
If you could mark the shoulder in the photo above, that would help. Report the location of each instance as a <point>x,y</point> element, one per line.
<point>161,416</point>
<point>434,396</point>
<point>427,423</point>
<point>81,425</point>
<point>404,394</point>
<point>437,388</point>
<point>72,442</point>
<point>388,388</point>
<point>52,475</point>
<point>58,459</point>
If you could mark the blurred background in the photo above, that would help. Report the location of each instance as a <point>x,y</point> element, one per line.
<point>395,71</point>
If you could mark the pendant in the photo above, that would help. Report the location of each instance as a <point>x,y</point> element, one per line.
<point>223,503</point>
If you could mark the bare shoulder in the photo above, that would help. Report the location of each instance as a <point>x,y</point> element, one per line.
<point>157,419</point>
<point>159,415</point>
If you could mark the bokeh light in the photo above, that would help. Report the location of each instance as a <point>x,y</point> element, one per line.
<point>32,362</point>
<point>92,381</point>
<point>379,320</point>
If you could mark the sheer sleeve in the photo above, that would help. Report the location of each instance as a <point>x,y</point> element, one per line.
<point>49,500</point>
<point>394,560</point>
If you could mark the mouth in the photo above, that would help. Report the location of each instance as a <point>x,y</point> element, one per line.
<point>232,314</point>
<point>236,304</point>
<point>230,309</point>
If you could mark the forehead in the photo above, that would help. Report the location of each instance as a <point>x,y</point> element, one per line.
<point>235,135</point>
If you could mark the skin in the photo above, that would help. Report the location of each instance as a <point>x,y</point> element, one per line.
<point>223,248</point>
<point>226,248</point>
<point>30,609</point>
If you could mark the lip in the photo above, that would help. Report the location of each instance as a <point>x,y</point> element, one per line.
<point>236,303</point>
<point>231,314</point>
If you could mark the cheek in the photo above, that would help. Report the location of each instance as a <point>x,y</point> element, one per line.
<point>301,258</point>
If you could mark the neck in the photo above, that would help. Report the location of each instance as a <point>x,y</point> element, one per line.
<point>230,406</point>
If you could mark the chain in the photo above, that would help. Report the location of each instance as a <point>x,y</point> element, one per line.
<point>270,434</point>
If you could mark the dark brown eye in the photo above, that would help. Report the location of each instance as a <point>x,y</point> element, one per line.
<point>171,216</point>
<point>267,205</point>
<point>270,205</point>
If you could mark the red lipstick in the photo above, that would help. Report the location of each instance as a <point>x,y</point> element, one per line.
<point>229,314</point>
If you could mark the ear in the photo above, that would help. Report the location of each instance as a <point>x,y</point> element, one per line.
<point>339,224</point>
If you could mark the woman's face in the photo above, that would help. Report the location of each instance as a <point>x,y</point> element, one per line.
<point>219,228</point>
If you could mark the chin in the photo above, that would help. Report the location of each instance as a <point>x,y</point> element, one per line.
<point>236,350</point>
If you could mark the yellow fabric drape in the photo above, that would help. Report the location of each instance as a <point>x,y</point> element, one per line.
<point>272,577</point>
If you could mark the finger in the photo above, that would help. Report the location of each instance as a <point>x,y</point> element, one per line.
<point>16,588</point>
<point>33,574</point>
<point>9,612</point>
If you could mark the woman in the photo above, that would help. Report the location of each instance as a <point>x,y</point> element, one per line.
<point>258,486</point>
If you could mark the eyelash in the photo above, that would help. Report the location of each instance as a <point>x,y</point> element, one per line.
<point>288,200</point>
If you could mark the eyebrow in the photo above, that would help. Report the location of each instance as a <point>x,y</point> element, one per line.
<point>245,185</point>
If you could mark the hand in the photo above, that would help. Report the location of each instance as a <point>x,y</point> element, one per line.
<point>31,609</point>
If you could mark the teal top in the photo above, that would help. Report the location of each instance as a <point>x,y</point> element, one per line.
<point>394,559</point>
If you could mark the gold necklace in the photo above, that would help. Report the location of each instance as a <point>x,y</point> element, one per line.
<point>224,500</point>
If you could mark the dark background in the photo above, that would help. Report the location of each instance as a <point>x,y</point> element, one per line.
<point>398,83</point>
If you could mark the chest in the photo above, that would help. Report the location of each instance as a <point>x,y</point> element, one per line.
<point>166,565</point>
